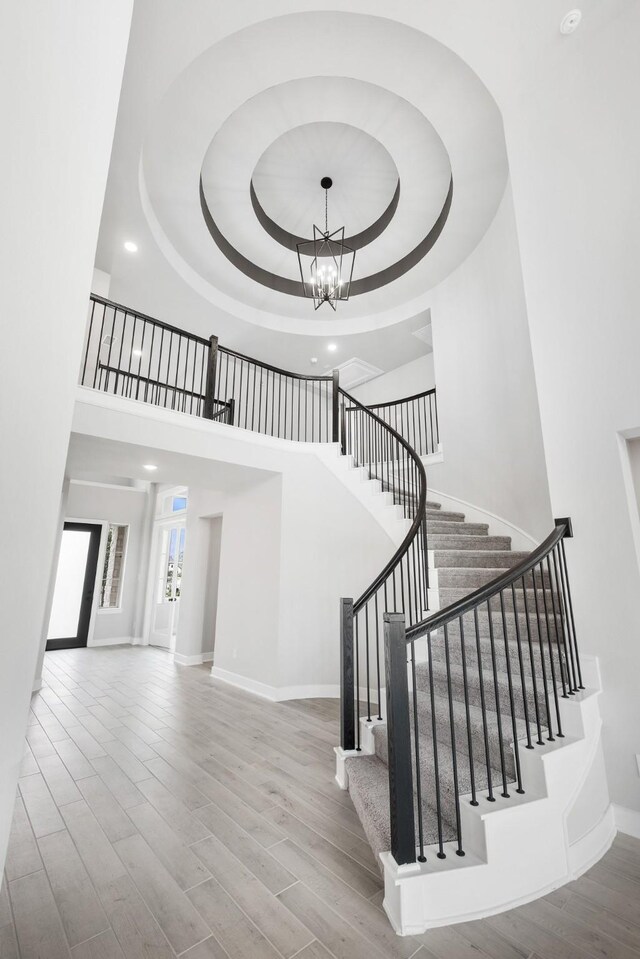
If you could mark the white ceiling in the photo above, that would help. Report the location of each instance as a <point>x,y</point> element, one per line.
<point>275,89</point>
<point>94,459</point>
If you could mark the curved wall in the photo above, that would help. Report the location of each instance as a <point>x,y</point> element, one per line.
<point>487,401</point>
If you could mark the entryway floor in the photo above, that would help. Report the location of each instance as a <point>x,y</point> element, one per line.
<point>162,813</point>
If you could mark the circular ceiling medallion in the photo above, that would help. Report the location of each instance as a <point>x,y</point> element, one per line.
<point>426,123</point>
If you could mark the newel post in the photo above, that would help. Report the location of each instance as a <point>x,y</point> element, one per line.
<point>347,698</point>
<point>403,832</point>
<point>210,388</point>
<point>335,411</point>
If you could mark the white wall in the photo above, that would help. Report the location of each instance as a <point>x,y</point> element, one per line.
<point>213,579</point>
<point>61,69</point>
<point>126,507</point>
<point>100,283</point>
<point>406,380</point>
<point>487,404</point>
<point>574,152</point>
<point>199,592</point>
<point>291,547</point>
<point>248,616</point>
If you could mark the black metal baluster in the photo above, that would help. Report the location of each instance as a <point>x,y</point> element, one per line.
<point>505,792</point>
<point>521,663</point>
<point>514,724</point>
<point>467,710</point>
<point>560,644</point>
<point>554,685</point>
<point>454,749</point>
<point>434,743</point>
<point>550,737</point>
<point>574,640</point>
<point>377,615</point>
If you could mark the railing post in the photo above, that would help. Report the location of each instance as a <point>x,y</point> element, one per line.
<point>210,388</point>
<point>347,699</point>
<point>403,830</point>
<point>335,419</point>
<point>231,411</point>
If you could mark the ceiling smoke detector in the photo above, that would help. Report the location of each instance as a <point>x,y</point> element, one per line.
<point>570,22</point>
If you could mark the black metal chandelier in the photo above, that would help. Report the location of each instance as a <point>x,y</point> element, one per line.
<point>326,262</point>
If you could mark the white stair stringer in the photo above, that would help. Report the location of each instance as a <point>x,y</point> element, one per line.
<point>517,849</point>
<point>369,492</point>
<point>378,502</point>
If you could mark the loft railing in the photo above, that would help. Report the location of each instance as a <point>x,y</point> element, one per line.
<point>415,418</point>
<point>272,401</point>
<point>485,680</point>
<point>130,354</point>
<point>402,586</point>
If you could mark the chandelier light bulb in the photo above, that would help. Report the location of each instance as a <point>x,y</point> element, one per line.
<point>332,260</point>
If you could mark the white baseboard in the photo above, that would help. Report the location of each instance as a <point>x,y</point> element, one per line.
<point>117,641</point>
<point>274,693</point>
<point>112,641</point>
<point>196,660</point>
<point>627,820</point>
<point>277,694</point>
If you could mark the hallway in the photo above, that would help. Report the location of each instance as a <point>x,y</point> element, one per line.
<point>162,813</point>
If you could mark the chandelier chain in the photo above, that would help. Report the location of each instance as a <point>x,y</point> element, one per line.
<point>326,211</point>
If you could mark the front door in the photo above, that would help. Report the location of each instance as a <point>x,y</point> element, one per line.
<point>75,582</point>
<point>166,598</point>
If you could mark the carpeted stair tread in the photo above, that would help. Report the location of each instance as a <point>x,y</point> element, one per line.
<point>440,679</point>
<point>475,558</point>
<point>525,651</point>
<point>446,516</point>
<point>369,791</point>
<point>535,599</point>
<point>472,578</point>
<point>476,726</point>
<point>439,527</point>
<point>444,541</point>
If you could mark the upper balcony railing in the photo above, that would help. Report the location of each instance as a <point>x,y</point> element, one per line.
<point>136,356</point>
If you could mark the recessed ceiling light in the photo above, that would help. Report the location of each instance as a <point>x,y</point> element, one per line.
<point>130,246</point>
<point>150,467</point>
<point>136,352</point>
<point>570,22</point>
<point>314,359</point>
<point>332,347</point>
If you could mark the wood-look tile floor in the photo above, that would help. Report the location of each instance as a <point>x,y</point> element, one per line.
<point>161,813</point>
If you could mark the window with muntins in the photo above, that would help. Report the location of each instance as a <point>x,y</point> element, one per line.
<point>112,573</point>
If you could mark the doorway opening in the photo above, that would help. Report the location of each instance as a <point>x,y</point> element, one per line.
<point>74,586</point>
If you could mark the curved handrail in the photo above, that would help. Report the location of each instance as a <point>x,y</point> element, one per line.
<point>418,519</point>
<point>403,399</point>
<point>272,369</point>
<point>497,665</point>
<point>402,586</point>
<point>103,301</point>
<point>473,600</point>
<point>415,418</point>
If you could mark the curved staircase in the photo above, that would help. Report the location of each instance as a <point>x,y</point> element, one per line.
<point>466,781</point>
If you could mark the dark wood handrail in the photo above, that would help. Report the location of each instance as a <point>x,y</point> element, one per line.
<point>273,369</point>
<point>147,319</point>
<point>145,379</point>
<point>405,399</point>
<point>468,603</point>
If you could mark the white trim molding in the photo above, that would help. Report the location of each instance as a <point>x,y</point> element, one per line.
<point>274,693</point>
<point>181,660</point>
<point>627,820</point>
